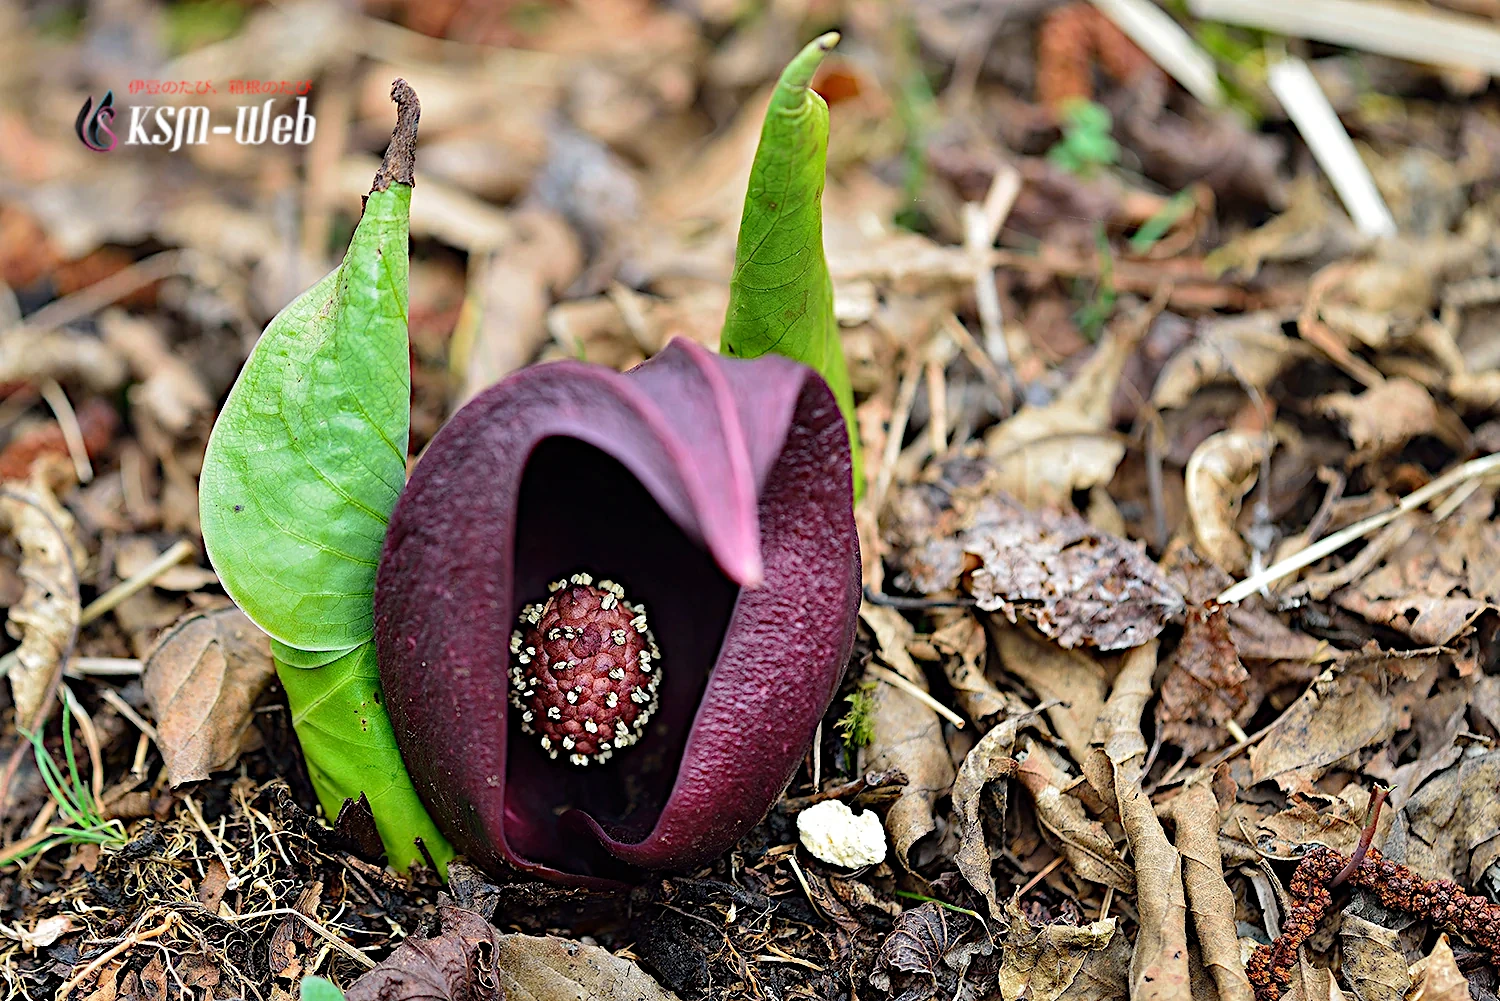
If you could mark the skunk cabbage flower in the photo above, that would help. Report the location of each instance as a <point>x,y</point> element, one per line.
<point>611,609</point>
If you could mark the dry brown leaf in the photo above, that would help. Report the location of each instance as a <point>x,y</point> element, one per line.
<point>503,324</point>
<point>460,964</point>
<point>1438,977</point>
<point>202,679</point>
<point>1245,350</point>
<point>548,968</point>
<point>1042,454</point>
<point>1340,713</point>
<point>1159,964</point>
<point>906,734</point>
<point>1084,841</point>
<point>1450,828</point>
<point>1372,966</point>
<point>1078,585</point>
<point>1061,962</point>
<point>45,620</point>
<point>980,795</point>
<point>169,388</point>
<point>1220,473</point>
<point>1437,580</point>
<point>962,642</point>
<point>1195,812</point>
<point>931,943</point>
<point>1205,687</point>
<point>1385,417</point>
<point>1073,679</point>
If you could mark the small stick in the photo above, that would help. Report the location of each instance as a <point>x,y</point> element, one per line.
<point>896,681</point>
<point>792,858</point>
<point>109,667</point>
<point>1472,469</point>
<point>124,945</point>
<point>124,709</point>
<point>72,434</point>
<point>318,929</point>
<point>110,599</point>
<point>1034,880</point>
<point>218,847</point>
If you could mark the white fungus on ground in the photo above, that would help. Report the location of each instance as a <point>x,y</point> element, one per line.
<point>835,834</point>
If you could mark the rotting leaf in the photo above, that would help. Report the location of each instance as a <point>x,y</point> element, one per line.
<point>781,294</point>
<point>1248,350</point>
<point>1042,454</point>
<point>548,968</point>
<point>906,734</point>
<point>1078,585</point>
<point>930,941</point>
<point>1339,713</point>
<point>1060,962</point>
<point>460,964</point>
<point>1385,417</point>
<point>962,643</point>
<point>1372,965</point>
<point>1438,977</point>
<point>202,679</point>
<point>1072,679</point>
<point>1159,963</point>
<point>1205,687</point>
<point>1084,841</point>
<point>980,794</point>
<point>1447,829</point>
<point>1195,812</point>
<point>45,619</point>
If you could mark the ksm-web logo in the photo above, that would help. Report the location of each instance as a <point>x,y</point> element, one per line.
<point>191,125</point>
<point>93,123</point>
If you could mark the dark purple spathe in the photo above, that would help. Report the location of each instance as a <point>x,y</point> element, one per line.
<point>718,492</point>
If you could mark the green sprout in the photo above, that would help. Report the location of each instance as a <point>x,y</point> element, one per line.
<point>1086,145</point>
<point>75,801</point>
<point>858,724</point>
<point>1101,305</point>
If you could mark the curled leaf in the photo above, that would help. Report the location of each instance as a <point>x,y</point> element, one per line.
<point>1220,473</point>
<point>781,295</point>
<point>45,620</point>
<point>1061,962</point>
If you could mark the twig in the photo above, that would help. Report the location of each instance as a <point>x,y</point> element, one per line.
<point>1307,106</point>
<point>1418,34</point>
<point>982,223</point>
<point>875,597</point>
<point>72,434</point>
<point>1168,45</point>
<point>233,882</point>
<point>792,858</point>
<point>110,599</point>
<point>95,297</point>
<point>1472,469</point>
<point>906,395</point>
<point>327,935</point>
<point>1034,880</point>
<point>107,667</point>
<point>124,945</point>
<point>124,709</point>
<point>895,680</point>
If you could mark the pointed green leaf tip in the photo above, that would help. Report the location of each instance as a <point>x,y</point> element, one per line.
<point>303,467</point>
<point>781,295</point>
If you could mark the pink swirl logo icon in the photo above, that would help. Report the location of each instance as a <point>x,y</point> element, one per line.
<point>93,124</point>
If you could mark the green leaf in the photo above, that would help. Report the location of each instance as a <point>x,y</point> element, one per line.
<point>781,295</point>
<point>318,989</point>
<point>302,471</point>
<point>309,452</point>
<point>350,747</point>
